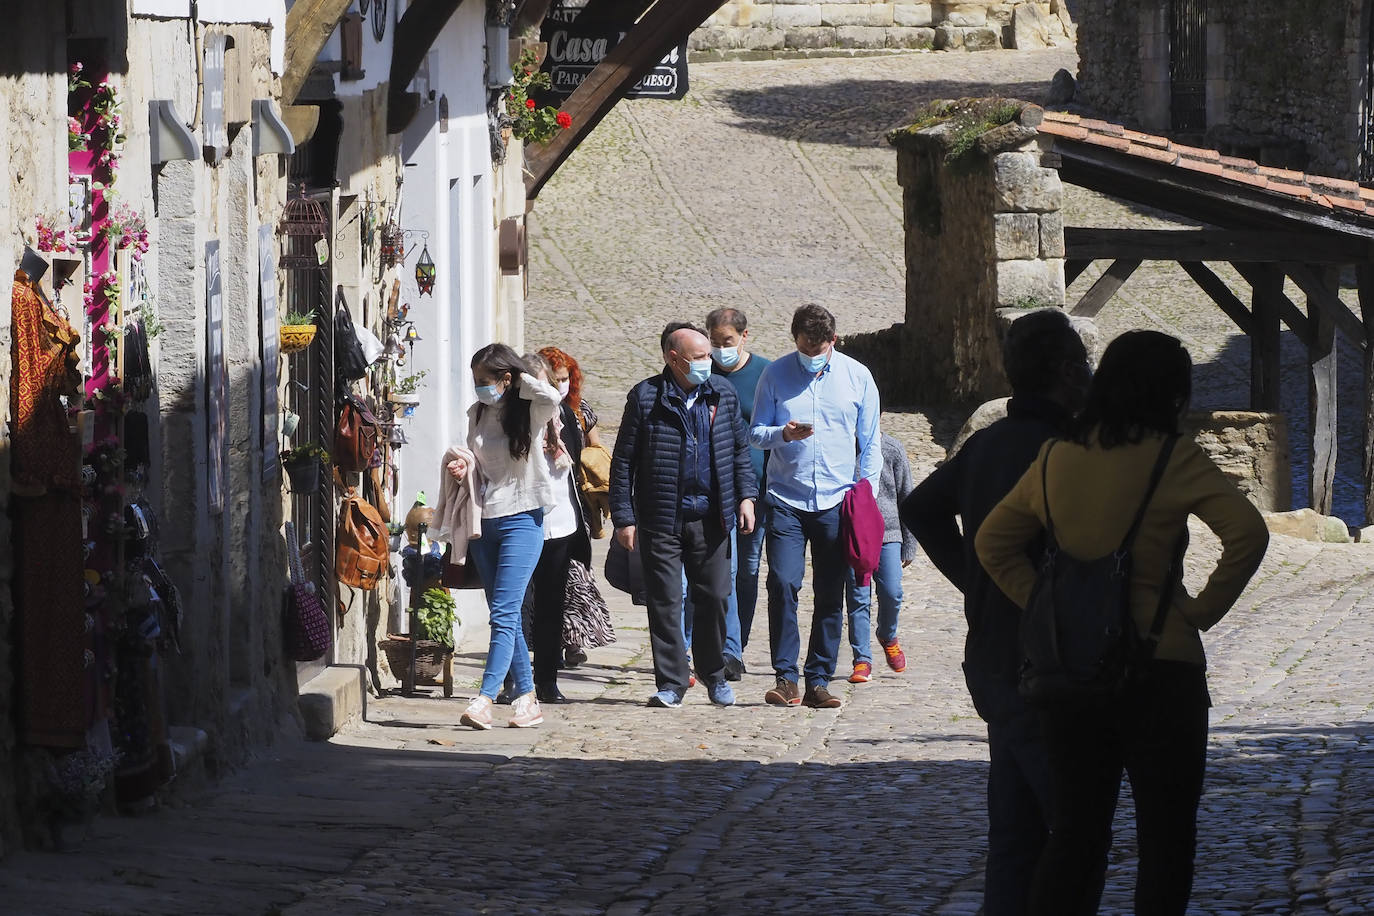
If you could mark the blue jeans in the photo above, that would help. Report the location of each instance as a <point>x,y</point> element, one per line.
<point>506,555</point>
<point>789,530</point>
<point>744,600</point>
<point>887,581</point>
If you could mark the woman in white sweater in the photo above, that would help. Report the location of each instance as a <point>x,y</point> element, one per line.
<point>506,430</point>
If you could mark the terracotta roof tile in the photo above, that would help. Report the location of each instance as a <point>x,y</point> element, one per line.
<point>1117,143</point>
<point>1067,131</point>
<point>1103,127</point>
<point>1339,187</point>
<point>1198,152</point>
<point>1062,117</point>
<point>1250,178</point>
<point>1366,193</point>
<point>1168,157</point>
<point>1243,165</point>
<point>1343,204</point>
<point>1288,175</point>
<point>1198,165</point>
<point>1322,200</point>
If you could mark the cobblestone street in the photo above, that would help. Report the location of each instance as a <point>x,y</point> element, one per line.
<point>767,187</point>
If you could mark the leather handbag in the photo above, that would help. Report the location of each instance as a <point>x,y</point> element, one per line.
<point>306,627</point>
<point>459,575</point>
<point>362,543</point>
<point>357,434</point>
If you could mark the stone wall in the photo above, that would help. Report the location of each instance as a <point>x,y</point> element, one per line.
<point>782,26</point>
<point>33,180</point>
<point>1283,81</point>
<point>1252,451</point>
<point>982,233</point>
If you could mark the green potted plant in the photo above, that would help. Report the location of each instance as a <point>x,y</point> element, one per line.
<point>297,331</point>
<point>403,389</point>
<point>435,617</point>
<point>303,465</point>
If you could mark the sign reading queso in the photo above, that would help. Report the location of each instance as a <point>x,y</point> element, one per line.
<point>576,48</point>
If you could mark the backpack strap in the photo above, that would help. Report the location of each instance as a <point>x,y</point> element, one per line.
<point>1165,451</point>
<point>1166,590</point>
<point>1050,543</point>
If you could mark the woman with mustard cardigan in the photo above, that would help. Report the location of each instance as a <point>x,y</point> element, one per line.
<point>1156,731</point>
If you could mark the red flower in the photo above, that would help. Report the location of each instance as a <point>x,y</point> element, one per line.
<point>529,103</point>
<point>564,120</point>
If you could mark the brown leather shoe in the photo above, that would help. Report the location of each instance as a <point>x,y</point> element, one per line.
<point>820,698</point>
<point>783,694</point>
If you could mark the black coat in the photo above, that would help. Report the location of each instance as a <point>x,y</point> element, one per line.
<point>968,486</point>
<point>571,434</point>
<point>650,449</point>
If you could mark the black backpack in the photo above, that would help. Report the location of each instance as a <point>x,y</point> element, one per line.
<point>349,361</point>
<point>1078,639</point>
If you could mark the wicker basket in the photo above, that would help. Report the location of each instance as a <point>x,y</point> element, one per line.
<point>429,658</point>
<point>296,337</point>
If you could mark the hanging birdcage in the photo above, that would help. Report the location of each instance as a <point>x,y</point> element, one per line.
<point>425,273</point>
<point>393,244</point>
<point>304,230</point>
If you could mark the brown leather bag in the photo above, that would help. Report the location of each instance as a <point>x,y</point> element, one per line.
<point>361,543</point>
<point>356,436</point>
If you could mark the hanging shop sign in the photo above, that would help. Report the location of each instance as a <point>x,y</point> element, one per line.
<point>268,320</point>
<point>575,48</point>
<point>216,131</point>
<point>216,375</point>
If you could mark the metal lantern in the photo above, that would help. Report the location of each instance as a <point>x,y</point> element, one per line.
<point>425,273</point>
<point>304,224</point>
<point>393,244</point>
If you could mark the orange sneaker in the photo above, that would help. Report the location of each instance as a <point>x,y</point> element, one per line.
<point>896,659</point>
<point>863,673</point>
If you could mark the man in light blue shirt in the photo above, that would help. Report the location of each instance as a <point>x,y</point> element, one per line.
<point>816,411</point>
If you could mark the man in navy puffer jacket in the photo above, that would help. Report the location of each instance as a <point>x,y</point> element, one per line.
<point>681,477</point>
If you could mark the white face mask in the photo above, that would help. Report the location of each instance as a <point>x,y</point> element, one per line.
<point>563,388</point>
<point>725,357</point>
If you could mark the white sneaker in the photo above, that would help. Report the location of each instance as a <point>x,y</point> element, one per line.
<point>525,712</point>
<point>478,713</point>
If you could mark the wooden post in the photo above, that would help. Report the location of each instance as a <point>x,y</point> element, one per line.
<point>1266,287</point>
<point>1321,399</point>
<point>1365,274</point>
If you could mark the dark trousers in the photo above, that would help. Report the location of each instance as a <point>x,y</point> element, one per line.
<point>1157,733</point>
<point>789,531</point>
<point>1018,811</point>
<point>701,548</point>
<point>549,584</point>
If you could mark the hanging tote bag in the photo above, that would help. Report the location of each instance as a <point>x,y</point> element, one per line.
<point>307,622</point>
<point>586,618</point>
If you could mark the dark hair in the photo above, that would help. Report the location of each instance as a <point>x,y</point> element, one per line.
<point>1140,387</point>
<point>1035,348</point>
<point>733,317</point>
<point>498,359</point>
<point>672,328</point>
<point>813,322</point>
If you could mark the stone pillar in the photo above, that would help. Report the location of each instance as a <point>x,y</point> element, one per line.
<point>1156,105</point>
<point>982,233</point>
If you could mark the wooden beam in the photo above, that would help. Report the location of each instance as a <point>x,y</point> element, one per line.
<point>1073,267</point>
<point>309,23</point>
<point>1364,274</point>
<point>1289,313</point>
<point>1266,289</point>
<point>1105,287</point>
<point>414,35</point>
<point>1321,399</point>
<point>665,25</point>
<point>1220,293</point>
<point>623,12</point>
<point>529,14</point>
<point>1321,289</point>
<point>1201,245</point>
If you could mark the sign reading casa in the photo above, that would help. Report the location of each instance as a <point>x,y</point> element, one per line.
<point>576,48</point>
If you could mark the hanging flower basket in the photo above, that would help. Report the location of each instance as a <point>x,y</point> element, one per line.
<point>304,473</point>
<point>296,337</point>
<point>409,398</point>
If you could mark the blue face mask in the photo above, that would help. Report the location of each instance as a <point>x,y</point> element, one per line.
<point>725,357</point>
<point>698,371</point>
<point>488,394</point>
<point>813,363</point>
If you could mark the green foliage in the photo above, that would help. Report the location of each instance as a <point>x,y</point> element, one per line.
<point>969,119</point>
<point>407,384</point>
<point>1032,302</point>
<point>530,121</point>
<point>298,318</point>
<point>435,616</point>
<point>307,450</point>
